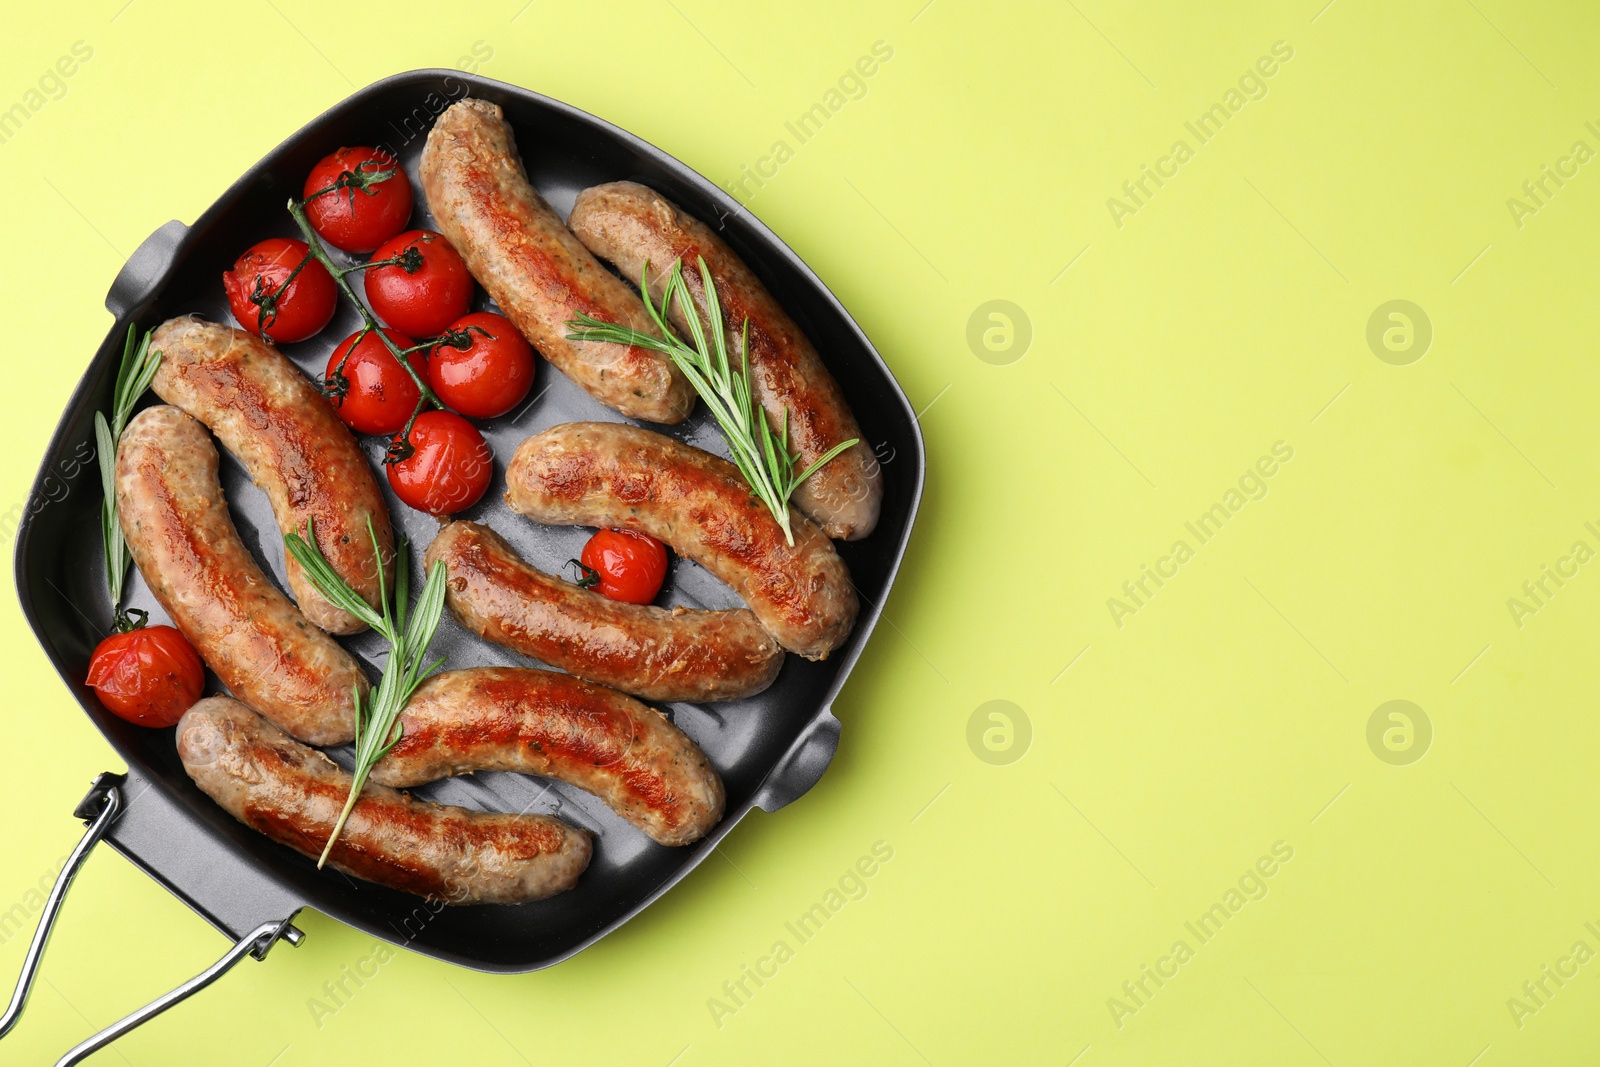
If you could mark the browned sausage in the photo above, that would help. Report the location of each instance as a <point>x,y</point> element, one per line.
<point>557,726</point>
<point>651,652</point>
<point>627,225</point>
<point>613,475</point>
<point>294,794</point>
<point>517,247</point>
<point>277,424</point>
<point>183,539</point>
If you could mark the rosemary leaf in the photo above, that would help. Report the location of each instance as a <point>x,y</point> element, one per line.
<point>378,715</point>
<point>111,538</point>
<point>333,588</point>
<point>759,451</point>
<point>134,373</point>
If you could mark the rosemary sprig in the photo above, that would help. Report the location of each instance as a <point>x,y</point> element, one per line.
<point>377,718</point>
<point>760,452</point>
<point>133,378</point>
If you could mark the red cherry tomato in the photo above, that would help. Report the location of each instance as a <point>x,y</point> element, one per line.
<point>426,299</point>
<point>378,395</point>
<point>363,209</point>
<point>254,296</point>
<point>149,676</point>
<point>448,468</point>
<point>631,566</point>
<point>481,366</point>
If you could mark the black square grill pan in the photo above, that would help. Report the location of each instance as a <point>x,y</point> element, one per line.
<point>769,749</point>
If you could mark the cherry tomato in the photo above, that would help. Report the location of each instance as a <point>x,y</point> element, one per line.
<point>631,566</point>
<point>378,395</point>
<point>364,209</point>
<point>253,287</point>
<point>427,298</point>
<point>448,468</point>
<point>481,366</point>
<point>149,676</point>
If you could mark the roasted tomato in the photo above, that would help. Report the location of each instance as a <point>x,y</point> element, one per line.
<point>444,467</point>
<point>481,366</point>
<point>150,675</point>
<point>264,306</point>
<point>425,290</point>
<point>358,198</point>
<point>371,391</point>
<point>624,565</point>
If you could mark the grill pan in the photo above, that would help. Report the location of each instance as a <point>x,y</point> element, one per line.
<point>770,749</point>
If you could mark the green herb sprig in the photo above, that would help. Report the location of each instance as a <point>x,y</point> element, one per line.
<point>378,727</point>
<point>760,452</point>
<point>138,367</point>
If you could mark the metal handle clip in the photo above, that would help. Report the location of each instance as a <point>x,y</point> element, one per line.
<point>110,803</point>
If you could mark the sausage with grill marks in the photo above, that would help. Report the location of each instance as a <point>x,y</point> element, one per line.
<point>180,534</point>
<point>540,722</point>
<point>276,422</point>
<point>609,474</point>
<point>654,653</point>
<point>521,252</point>
<point>294,794</point>
<point>630,226</point>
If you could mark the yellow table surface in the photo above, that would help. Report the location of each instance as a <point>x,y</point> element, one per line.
<point>1165,742</point>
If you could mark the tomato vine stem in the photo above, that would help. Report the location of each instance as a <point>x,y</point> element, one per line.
<point>361,180</point>
<point>297,209</point>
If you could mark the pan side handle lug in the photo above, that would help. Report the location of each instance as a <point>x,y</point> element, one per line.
<point>257,943</point>
<point>100,809</point>
<point>138,277</point>
<point>802,766</point>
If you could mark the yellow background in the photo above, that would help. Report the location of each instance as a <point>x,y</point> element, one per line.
<point>1229,713</point>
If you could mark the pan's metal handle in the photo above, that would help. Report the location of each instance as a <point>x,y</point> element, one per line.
<point>257,943</point>
<point>106,797</point>
<point>100,809</point>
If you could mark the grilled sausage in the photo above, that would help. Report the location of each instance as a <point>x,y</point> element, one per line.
<point>183,539</point>
<point>557,726</point>
<point>651,652</point>
<point>274,420</point>
<point>628,226</point>
<point>517,247</point>
<point>294,794</point>
<point>613,475</point>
